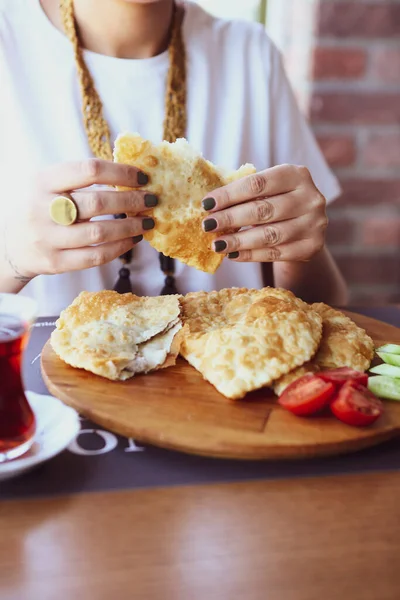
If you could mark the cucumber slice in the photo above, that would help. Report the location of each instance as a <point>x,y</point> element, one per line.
<point>385,387</point>
<point>390,359</point>
<point>385,369</point>
<point>391,348</point>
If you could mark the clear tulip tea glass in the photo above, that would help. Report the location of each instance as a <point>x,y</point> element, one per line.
<point>17,421</point>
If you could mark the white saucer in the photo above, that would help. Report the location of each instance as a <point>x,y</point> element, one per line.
<point>57,426</point>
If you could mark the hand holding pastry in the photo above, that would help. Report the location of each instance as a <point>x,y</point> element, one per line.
<point>282,210</point>
<point>37,240</point>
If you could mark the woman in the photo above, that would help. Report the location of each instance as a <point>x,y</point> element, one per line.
<point>239,108</point>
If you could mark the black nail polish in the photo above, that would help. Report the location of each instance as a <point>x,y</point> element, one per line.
<point>209,203</point>
<point>220,246</point>
<point>150,200</point>
<point>148,223</point>
<point>233,255</point>
<point>142,178</point>
<point>137,239</point>
<point>210,224</point>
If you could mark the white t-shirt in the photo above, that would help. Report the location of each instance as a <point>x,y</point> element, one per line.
<point>240,109</point>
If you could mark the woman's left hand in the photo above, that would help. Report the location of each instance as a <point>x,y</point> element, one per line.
<point>282,210</point>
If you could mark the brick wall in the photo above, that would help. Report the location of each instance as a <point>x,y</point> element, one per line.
<point>343,58</point>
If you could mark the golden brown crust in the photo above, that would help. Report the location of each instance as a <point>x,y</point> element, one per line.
<point>241,340</point>
<point>343,344</point>
<point>117,335</point>
<point>181,178</point>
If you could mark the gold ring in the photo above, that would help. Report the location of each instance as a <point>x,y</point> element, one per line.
<point>63,210</point>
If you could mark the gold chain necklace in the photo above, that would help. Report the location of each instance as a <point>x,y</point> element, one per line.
<point>96,127</point>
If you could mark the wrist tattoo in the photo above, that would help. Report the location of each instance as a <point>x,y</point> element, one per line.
<point>18,276</point>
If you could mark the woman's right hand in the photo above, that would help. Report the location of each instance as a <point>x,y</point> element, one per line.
<point>35,245</point>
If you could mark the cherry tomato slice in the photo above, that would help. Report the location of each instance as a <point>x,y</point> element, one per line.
<point>340,376</point>
<point>307,395</point>
<point>356,405</point>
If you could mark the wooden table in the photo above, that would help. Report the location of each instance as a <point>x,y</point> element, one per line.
<point>302,539</point>
<point>322,538</point>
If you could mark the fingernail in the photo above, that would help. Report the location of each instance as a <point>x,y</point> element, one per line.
<point>209,203</point>
<point>142,178</point>
<point>150,200</point>
<point>148,223</point>
<point>233,255</point>
<point>210,224</point>
<point>220,246</point>
<point>137,239</point>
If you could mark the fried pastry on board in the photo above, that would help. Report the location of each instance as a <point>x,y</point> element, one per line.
<point>343,344</point>
<point>181,178</point>
<point>119,335</point>
<point>241,340</point>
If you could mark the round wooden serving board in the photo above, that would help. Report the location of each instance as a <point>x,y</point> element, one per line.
<point>175,408</point>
